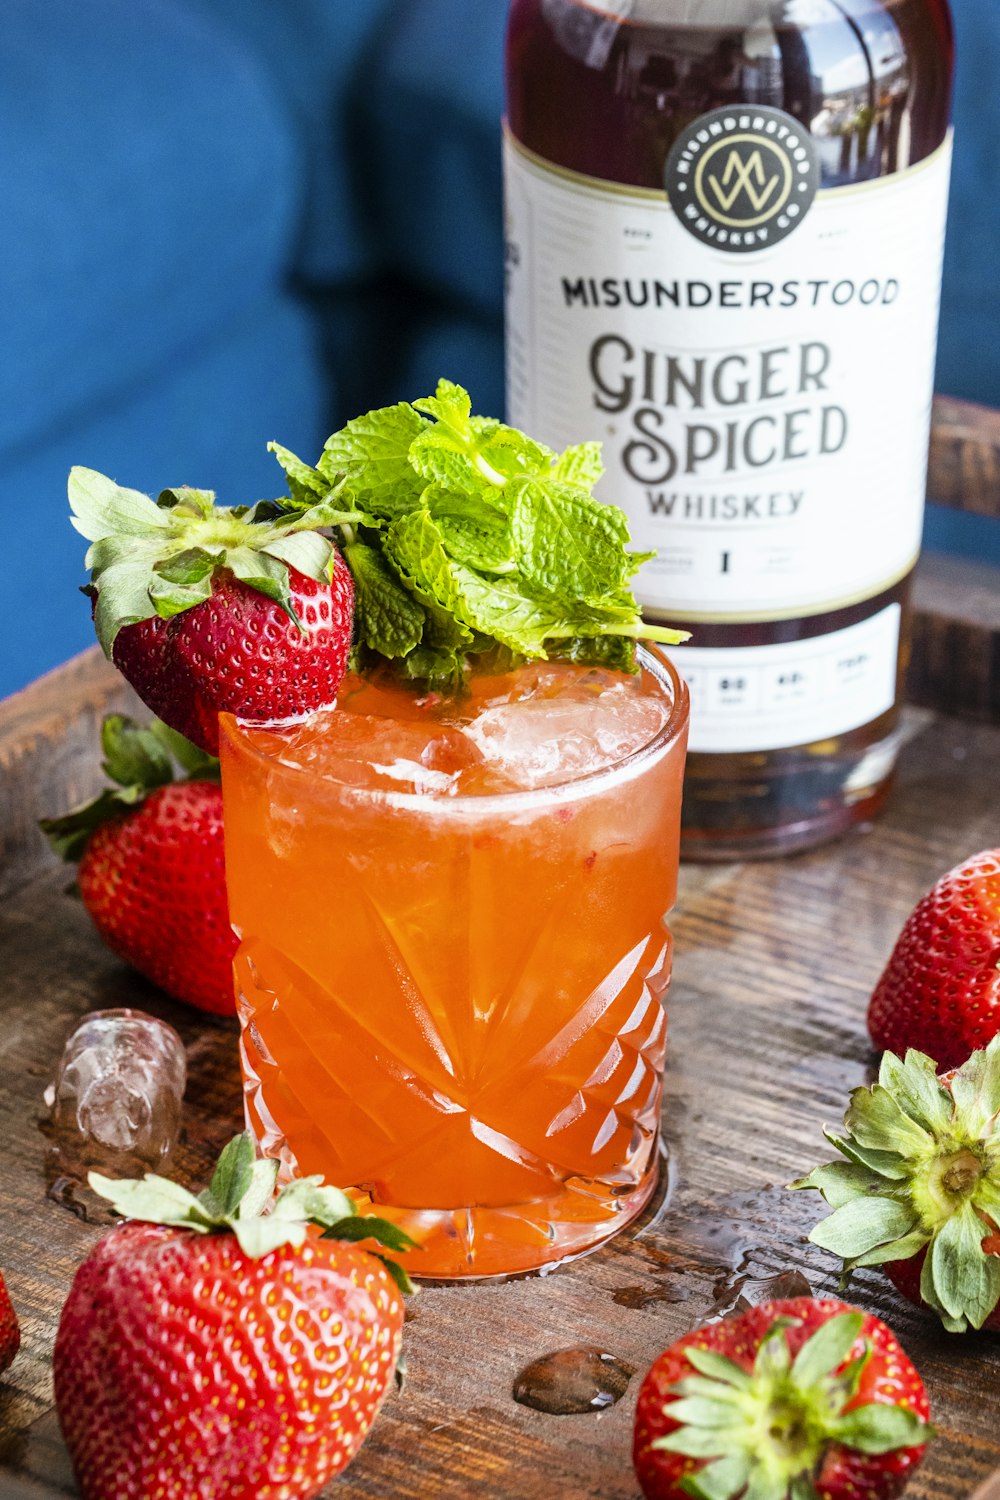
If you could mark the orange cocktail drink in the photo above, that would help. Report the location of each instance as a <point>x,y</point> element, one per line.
<point>453,952</point>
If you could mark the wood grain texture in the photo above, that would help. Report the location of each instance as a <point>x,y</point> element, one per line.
<point>773,969</point>
<point>955,654</point>
<point>965,457</point>
<point>955,648</point>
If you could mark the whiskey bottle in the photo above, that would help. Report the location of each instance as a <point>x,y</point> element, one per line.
<point>725,223</point>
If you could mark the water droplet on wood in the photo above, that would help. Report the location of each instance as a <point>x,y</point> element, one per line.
<point>570,1381</point>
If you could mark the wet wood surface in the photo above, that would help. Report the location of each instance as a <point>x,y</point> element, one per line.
<point>774,966</point>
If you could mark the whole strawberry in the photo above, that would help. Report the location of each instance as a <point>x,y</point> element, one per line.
<point>801,1399</point>
<point>151,863</point>
<point>208,609</point>
<point>214,1350</point>
<point>940,991</point>
<point>918,1190</point>
<point>10,1332</point>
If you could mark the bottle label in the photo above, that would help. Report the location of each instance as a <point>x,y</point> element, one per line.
<point>754,698</point>
<point>764,406</point>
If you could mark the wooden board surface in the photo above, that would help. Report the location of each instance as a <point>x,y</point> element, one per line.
<point>774,965</point>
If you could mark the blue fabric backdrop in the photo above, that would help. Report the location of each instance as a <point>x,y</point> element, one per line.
<point>226,221</point>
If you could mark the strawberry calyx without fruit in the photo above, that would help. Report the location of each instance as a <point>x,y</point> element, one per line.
<point>766,1430</point>
<point>156,558</point>
<point>921,1178</point>
<point>477,540</point>
<point>140,759</point>
<point>240,1201</point>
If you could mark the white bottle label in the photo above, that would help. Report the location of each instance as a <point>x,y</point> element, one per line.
<point>757,698</point>
<point>761,381</point>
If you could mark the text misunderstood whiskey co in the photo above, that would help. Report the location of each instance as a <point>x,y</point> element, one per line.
<point>725,223</point>
<point>454,954</point>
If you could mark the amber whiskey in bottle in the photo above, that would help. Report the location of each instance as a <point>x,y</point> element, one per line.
<point>725,223</point>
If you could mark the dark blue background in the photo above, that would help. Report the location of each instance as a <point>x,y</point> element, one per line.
<point>229,220</point>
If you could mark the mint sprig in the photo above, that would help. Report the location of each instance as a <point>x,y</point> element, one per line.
<point>475,537</point>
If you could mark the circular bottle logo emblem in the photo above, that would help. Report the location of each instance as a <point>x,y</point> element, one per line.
<point>743,178</point>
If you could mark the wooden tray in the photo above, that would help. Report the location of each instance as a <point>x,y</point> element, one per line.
<point>774,966</point>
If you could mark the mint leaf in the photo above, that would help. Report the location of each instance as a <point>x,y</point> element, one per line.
<point>472,531</point>
<point>436,670</point>
<point>469,536</point>
<point>415,546</point>
<point>306,484</point>
<point>373,453</point>
<point>390,619</point>
<point>567,545</point>
<point>580,465</point>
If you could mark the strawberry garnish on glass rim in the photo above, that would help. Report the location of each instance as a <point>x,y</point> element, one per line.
<point>796,1398</point>
<point>208,608</point>
<point>918,1190</point>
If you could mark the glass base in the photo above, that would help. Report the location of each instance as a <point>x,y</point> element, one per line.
<point>521,1239</point>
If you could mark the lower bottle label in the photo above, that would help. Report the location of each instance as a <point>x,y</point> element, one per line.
<point>754,698</point>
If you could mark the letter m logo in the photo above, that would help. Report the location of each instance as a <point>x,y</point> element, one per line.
<point>747,177</point>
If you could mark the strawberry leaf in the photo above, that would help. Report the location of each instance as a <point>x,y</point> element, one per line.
<point>232,1177</point>
<point>880,1428</point>
<point>306,551</point>
<point>199,765</point>
<point>154,1199</point>
<point>70,834</point>
<point>310,1198</point>
<point>258,1237</point>
<point>102,508</point>
<point>826,1349</point>
<point>966,1281</point>
<point>858,1226</point>
<point>368,1227</point>
<point>397,1272</point>
<point>720,1480</point>
<point>134,756</point>
<point>169,599</point>
<point>189,566</point>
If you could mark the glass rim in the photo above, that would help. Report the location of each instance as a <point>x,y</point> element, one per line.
<point>650,657</point>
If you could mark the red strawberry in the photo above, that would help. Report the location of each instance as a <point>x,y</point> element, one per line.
<point>918,1191</point>
<point>940,991</point>
<point>10,1332</point>
<point>151,865</point>
<point>207,609</point>
<point>800,1398</point>
<point>229,1353</point>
